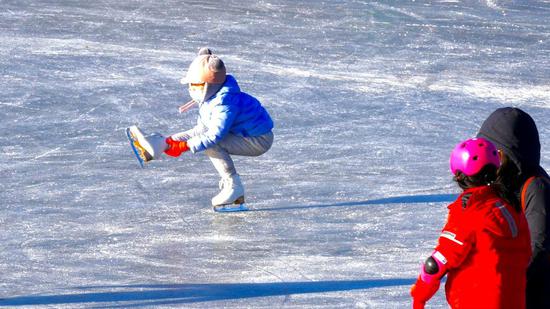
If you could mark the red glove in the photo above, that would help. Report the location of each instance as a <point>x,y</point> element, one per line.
<point>421,292</point>
<point>175,148</point>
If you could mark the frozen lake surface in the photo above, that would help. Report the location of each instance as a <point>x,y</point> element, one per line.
<point>368,98</point>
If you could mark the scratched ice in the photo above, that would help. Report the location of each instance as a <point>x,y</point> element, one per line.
<point>369,97</point>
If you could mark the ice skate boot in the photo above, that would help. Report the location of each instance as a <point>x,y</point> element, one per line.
<point>231,197</point>
<point>146,148</point>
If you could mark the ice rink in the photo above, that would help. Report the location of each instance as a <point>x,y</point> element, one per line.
<point>368,99</point>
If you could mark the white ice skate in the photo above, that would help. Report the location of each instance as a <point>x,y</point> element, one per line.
<point>231,197</point>
<point>146,148</point>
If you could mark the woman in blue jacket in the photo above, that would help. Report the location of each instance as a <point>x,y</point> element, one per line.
<point>230,122</point>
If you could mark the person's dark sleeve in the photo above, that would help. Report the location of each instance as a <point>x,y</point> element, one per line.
<point>537,211</point>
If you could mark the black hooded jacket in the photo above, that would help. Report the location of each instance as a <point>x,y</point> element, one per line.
<point>514,132</point>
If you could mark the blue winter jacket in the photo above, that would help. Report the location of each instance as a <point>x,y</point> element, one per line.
<point>229,111</point>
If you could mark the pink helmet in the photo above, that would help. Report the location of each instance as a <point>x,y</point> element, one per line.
<point>472,155</point>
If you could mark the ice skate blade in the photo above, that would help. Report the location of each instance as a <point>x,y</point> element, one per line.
<point>137,149</point>
<point>238,205</point>
<point>135,135</point>
<point>230,208</point>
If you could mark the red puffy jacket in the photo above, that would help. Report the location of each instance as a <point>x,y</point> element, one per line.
<point>487,249</point>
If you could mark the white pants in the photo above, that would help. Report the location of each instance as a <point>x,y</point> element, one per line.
<point>220,154</point>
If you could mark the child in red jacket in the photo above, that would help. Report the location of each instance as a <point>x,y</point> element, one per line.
<point>484,248</point>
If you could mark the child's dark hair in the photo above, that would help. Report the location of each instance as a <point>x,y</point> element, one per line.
<point>485,176</point>
<point>488,175</point>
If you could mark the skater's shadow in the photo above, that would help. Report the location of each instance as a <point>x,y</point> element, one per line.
<point>408,199</point>
<point>165,294</point>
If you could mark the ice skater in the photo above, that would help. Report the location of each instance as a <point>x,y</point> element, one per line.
<point>516,136</point>
<point>230,122</point>
<point>484,247</point>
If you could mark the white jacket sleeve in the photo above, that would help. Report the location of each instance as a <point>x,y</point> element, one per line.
<point>186,135</point>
